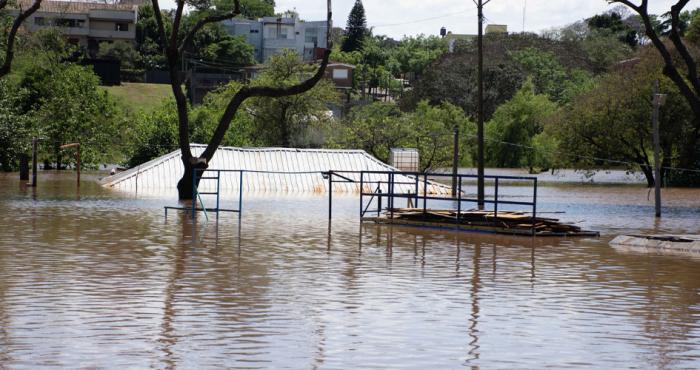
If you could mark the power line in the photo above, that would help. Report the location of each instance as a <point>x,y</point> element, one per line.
<point>599,159</point>
<point>447,15</point>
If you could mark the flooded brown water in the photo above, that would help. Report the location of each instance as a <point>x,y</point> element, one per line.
<point>102,280</point>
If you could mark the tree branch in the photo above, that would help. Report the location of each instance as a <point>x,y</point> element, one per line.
<point>670,69</point>
<point>259,92</point>
<point>207,20</point>
<point>680,46</point>
<point>9,52</point>
<point>161,27</point>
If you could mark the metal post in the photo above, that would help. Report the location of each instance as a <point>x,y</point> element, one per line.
<point>379,200</point>
<point>480,106</point>
<point>425,193</point>
<point>362,187</point>
<point>534,208</point>
<point>391,195</point>
<point>218,189</point>
<point>34,161</point>
<point>495,201</point>
<point>657,101</point>
<point>194,193</point>
<point>415,203</point>
<point>240,194</point>
<point>459,199</point>
<point>455,160</point>
<point>330,195</point>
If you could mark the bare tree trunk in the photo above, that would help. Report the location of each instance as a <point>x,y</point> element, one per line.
<point>173,46</point>
<point>10,43</point>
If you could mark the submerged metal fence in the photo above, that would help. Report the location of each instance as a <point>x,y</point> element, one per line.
<point>386,188</point>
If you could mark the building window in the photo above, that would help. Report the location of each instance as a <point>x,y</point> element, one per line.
<point>311,36</point>
<point>254,31</point>
<point>340,74</point>
<point>40,21</point>
<point>121,26</point>
<point>69,23</point>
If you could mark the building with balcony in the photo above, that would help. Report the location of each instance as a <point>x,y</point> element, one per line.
<point>272,35</point>
<point>85,23</point>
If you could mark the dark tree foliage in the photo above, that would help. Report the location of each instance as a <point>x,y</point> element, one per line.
<point>452,77</point>
<point>356,29</point>
<point>250,9</point>
<point>614,24</point>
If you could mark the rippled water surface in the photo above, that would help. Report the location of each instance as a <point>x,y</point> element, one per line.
<point>102,280</point>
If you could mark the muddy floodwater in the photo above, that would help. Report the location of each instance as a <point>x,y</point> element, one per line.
<point>99,279</point>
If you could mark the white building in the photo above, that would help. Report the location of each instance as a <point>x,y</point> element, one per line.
<point>271,35</point>
<point>85,23</point>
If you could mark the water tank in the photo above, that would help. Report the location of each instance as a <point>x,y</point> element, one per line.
<point>405,159</point>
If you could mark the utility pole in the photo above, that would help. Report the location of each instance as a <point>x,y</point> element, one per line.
<point>455,160</point>
<point>480,105</point>
<point>657,101</point>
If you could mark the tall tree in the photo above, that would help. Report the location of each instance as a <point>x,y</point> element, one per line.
<point>356,29</point>
<point>173,44</point>
<point>686,79</point>
<point>9,46</point>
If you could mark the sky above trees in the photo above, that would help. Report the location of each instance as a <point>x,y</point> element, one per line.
<point>396,18</point>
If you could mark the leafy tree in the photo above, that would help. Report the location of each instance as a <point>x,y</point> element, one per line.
<point>174,44</point>
<point>283,121</point>
<point>681,68</point>
<point>378,127</point>
<point>514,126</point>
<point>613,24</point>
<point>356,31</point>
<point>14,126</point>
<point>454,79</point>
<point>147,37</point>
<point>549,76</point>
<point>613,121</point>
<point>122,51</point>
<point>9,32</point>
<point>67,106</point>
<point>693,32</point>
<point>250,9</point>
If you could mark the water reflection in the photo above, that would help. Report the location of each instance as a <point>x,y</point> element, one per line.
<point>107,282</point>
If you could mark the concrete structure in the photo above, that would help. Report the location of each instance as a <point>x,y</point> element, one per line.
<point>676,245</point>
<point>161,175</point>
<point>272,35</point>
<point>85,23</point>
<point>452,38</point>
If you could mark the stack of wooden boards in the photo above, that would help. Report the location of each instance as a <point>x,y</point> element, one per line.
<point>517,222</point>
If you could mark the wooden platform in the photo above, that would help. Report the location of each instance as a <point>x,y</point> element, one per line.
<point>505,222</point>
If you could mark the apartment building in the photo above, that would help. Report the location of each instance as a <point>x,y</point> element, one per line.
<point>85,23</point>
<point>272,35</point>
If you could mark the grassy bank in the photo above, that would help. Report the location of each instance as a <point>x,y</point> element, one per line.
<point>140,96</point>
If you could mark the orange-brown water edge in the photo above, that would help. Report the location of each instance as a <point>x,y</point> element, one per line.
<point>101,280</point>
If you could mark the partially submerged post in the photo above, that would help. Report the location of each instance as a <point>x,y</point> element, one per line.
<point>34,160</point>
<point>24,167</point>
<point>77,154</point>
<point>657,101</point>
